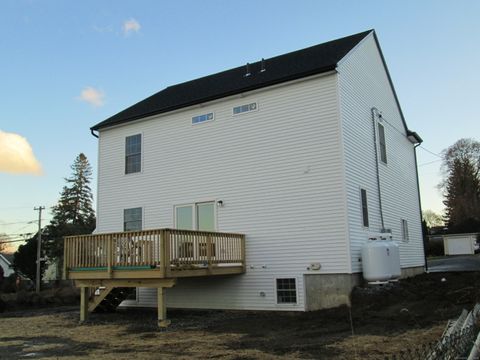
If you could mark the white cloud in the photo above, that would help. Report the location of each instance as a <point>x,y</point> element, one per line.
<point>16,155</point>
<point>92,96</point>
<point>130,26</point>
<point>102,29</point>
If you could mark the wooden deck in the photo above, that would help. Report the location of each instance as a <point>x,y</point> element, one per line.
<point>150,258</point>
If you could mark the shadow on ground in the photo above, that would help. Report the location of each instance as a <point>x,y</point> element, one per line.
<point>49,346</point>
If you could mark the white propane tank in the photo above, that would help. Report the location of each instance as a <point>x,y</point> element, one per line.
<point>395,259</point>
<point>376,261</point>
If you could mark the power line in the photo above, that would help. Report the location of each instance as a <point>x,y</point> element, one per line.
<point>19,234</point>
<point>14,207</point>
<point>401,133</point>
<point>12,241</point>
<point>20,222</point>
<point>430,162</point>
<point>430,152</point>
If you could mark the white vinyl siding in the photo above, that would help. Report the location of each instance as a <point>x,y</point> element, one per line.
<point>278,175</point>
<point>363,84</point>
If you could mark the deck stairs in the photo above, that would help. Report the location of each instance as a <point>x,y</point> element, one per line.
<point>107,299</point>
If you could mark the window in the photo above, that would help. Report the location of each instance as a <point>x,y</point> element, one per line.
<point>244,108</point>
<point>363,193</point>
<point>405,236</point>
<point>205,216</point>
<point>133,154</point>
<point>286,291</point>
<point>199,216</point>
<point>382,143</point>
<point>202,118</point>
<point>132,294</point>
<point>132,219</point>
<point>184,217</point>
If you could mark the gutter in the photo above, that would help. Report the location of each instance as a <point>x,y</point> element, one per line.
<point>93,133</point>
<point>377,169</point>
<point>418,141</point>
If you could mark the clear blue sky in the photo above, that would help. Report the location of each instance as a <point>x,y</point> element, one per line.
<point>119,52</point>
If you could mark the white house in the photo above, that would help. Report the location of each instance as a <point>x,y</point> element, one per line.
<point>6,264</point>
<point>460,244</point>
<point>305,153</point>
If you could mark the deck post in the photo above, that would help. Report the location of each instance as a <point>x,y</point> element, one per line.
<point>242,244</point>
<point>83,303</point>
<point>209,252</point>
<point>65,255</point>
<point>109,255</point>
<point>162,308</point>
<point>166,250</point>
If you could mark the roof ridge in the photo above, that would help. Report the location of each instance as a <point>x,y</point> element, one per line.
<point>270,58</point>
<point>296,64</point>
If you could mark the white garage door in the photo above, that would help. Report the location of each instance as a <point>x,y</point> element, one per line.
<point>459,246</point>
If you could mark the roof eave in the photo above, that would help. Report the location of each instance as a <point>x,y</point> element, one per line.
<point>325,69</point>
<point>414,137</point>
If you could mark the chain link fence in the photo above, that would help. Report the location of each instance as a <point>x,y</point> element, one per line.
<point>454,347</point>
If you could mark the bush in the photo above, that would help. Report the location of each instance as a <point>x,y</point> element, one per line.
<point>435,248</point>
<point>8,284</point>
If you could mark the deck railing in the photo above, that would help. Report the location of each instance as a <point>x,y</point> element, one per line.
<point>169,249</point>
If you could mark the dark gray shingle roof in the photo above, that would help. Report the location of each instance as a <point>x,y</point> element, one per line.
<point>295,65</point>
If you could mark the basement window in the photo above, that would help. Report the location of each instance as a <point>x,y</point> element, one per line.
<point>244,108</point>
<point>202,118</point>
<point>286,291</point>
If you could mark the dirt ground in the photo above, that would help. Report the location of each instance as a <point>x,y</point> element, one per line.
<point>382,320</point>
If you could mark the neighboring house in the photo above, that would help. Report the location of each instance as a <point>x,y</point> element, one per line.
<point>306,153</point>
<point>6,264</point>
<point>460,244</point>
<point>51,271</point>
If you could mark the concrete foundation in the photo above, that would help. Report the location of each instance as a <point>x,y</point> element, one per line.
<point>323,291</point>
<point>412,271</point>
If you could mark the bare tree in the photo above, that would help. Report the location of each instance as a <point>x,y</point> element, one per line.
<point>432,218</point>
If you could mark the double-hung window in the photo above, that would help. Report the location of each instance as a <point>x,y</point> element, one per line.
<point>286,291</point>
<point>132,219</point>
<point>133,154</point>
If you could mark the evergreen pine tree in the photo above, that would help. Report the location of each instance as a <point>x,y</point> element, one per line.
<point>74,212</point>
<point>462,186</point>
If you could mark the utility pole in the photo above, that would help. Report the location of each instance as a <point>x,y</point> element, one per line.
<point>39,245</point>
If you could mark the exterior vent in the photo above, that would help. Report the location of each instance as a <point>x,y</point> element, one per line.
<point>248,73</point>
<point>263,69</point>
<point>244,108</point>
